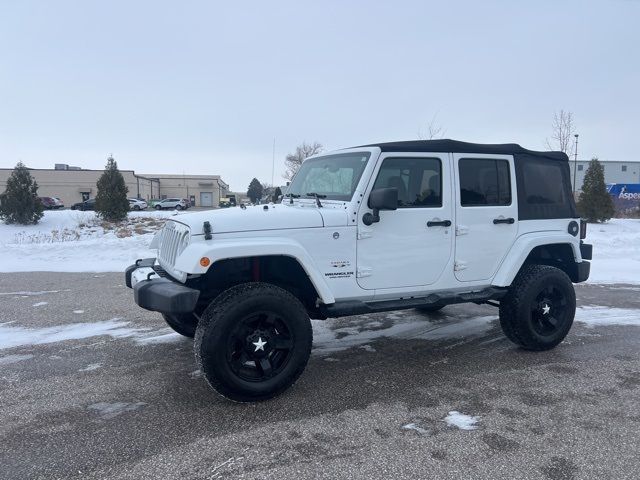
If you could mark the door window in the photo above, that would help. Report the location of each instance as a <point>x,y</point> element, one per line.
<point>418,180</point>
<point>484,182</point>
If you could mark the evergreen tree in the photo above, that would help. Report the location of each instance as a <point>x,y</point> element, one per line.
<point>276,194</point>
<point>254,192</point>
<point>111,200</point>
<point>595,204</point>
<point>19,203</point>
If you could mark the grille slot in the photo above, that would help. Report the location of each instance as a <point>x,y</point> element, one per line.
<point>174,239</point>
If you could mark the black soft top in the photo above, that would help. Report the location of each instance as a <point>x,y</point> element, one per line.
<point>455,146</point>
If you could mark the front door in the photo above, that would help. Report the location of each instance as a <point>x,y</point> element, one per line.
<point>486,214</point>
<point>410,246</point>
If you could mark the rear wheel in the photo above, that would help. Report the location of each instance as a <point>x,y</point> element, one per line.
<point>538,311</point>
<point>253,342</point>
<point>184,324</point>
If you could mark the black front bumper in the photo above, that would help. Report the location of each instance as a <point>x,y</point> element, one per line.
<point>161,294</point>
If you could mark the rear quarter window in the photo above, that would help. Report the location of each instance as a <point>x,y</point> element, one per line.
<point>544,189</point>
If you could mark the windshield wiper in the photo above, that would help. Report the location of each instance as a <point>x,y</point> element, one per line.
<point>317,196</point>
<point>291,196</point>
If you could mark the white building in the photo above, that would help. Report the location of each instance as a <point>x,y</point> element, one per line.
<point>614,172</point>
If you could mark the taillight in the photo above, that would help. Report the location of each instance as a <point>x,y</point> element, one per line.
<point>583,229</point>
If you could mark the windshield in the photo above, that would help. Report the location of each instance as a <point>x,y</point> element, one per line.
<point>334,177</point>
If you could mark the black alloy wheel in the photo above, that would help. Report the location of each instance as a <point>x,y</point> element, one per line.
<point>253,341</point>
<point>260,346</point>
<point>549,311</point>
<point>538,310</point>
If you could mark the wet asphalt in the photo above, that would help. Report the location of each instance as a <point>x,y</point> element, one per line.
<point>132,405</point>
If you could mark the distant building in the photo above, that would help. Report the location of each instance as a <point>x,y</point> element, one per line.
<point>72,185</point>
<point>614,172</point>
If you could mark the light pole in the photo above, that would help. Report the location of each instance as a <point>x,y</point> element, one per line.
<point>575,164</point>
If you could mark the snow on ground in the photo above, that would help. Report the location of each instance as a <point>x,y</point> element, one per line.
<point>606,316</point>
<point>7,359</point>
<point>462,421</point>
<point>12,336</point>
<point>329,336</point>
<point>75,241</point>
<point>616,251</point>
<point>416,428</point>
<point>111,410</point>
<point>91,367</point>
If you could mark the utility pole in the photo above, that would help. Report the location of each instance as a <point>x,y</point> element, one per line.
<point>575,165</point>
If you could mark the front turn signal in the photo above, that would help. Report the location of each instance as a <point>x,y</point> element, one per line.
<point>205,262</point>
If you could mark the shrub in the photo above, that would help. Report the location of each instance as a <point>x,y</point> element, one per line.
<point>595,204</point>
<point>111,201</point>
<point>19,203</point>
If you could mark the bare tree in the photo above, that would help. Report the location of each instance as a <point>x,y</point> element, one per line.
<point>562,138</point>
<point>435,130</point>
<point>294,160</point>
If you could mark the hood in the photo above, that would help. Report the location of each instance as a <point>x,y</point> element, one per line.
<point>274,217</point>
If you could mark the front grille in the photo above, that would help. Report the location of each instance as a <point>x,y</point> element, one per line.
<point>174,239</point>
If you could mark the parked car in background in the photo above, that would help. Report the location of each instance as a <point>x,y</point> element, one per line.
<point>58,202</point>
<point>137,204</point>
<point>86,205</point>
<point>168,203</point>
<point>48,203</point>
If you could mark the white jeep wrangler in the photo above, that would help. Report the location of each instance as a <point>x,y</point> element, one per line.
<point>391,226</point>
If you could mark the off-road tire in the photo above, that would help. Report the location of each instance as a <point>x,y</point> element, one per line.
<point>430,308</point>
<point>215,339</point>
<point>520,319</point>
<point>184,324</point>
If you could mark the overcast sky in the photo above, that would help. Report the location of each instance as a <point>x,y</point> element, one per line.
<point>203,87</point>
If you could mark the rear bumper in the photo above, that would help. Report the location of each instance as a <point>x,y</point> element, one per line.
<point>161,294</point>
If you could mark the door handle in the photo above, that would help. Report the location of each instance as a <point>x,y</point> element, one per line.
<point>509,220</point>
<point>443,223</point>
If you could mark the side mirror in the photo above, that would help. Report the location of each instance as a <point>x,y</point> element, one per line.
<point>380,199</point>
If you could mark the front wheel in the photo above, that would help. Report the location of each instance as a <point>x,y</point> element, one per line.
<point>158,207</point>
<point>183,324</point>
<point>178,207</point>
<point>253,342</point>
<point>538,311</point>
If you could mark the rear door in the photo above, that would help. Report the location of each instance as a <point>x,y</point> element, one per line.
<point>486,214</point>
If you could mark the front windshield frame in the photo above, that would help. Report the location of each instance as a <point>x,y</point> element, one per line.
<point>300,187</point>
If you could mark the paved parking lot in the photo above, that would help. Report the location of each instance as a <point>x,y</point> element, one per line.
<point>93,387</point>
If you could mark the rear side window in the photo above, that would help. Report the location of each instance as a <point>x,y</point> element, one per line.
<point>544,189</point>
<point>484,182</point>
<point>418,180</point>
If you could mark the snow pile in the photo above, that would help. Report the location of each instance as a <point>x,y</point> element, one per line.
<point>616,251</point>
<point>74,241</point>
<point>462,421</point>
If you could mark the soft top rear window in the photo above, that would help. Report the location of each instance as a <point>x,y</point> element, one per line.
<point>544,189</point>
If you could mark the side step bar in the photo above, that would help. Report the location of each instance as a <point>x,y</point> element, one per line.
<point>357,307</point>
